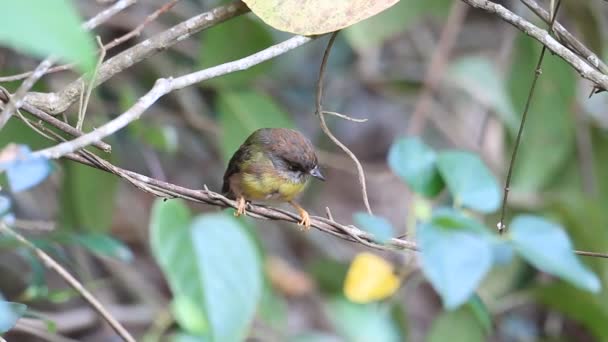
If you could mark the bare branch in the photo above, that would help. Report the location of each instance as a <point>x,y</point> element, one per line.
<point>166,85</point>
<point>15,101</point>
<point>502,228</point>
<point>581,66</point>
<point>108,13</point>
<point>90,24</point>
<point>75,284</point>
<point>567,38</point>
<point>319,112</point>
<point>137,31</point>
<point>55,103</point>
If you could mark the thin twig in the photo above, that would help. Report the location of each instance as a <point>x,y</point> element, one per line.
<point>567,38</point>
<point>90,24</point>
<point>579,64</point>
<point>345,117</point>
<point>75,284</point>
<point>55,103</point>
<point>15,101</point>
<point>108,13</point>
<point>82,109</point>
<point>137,31</point>
<point>319,111</point>
<point>164,86</point>
<point>502,228</point>
<point>39,114</point>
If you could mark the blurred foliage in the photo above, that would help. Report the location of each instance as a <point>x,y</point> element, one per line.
<point>54,29</point>
<point>491,286</point>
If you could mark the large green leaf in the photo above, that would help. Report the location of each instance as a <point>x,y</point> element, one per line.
<point>9,314</point>
<point>416,164</point>
<point>374,31</point>
<point>460,325</point>
<point>549,131</point>
<point>455,255</point>
<point>482,80</point>
<point>212,262</point>
<point>88,197</point>
<point>245,36</point>
<point>242,112</point>
<point>470,182</point>
<point>363,322</point>
<point>43,28</point>
<point>546,245</point>
<point>315,16</point>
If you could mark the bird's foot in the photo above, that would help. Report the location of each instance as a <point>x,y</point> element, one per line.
<point>305,221</point>
<point>240,207</point>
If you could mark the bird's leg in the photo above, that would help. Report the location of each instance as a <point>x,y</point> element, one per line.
<point>305,222</point>
<point>240,206</point>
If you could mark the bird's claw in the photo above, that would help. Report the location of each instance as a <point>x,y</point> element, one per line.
<point>305,222</point>
<point>240,208</point>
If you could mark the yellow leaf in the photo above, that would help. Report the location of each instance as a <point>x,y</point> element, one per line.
<point>370,278</point>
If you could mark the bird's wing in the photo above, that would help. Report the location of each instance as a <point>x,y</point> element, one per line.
<point>238,158</point>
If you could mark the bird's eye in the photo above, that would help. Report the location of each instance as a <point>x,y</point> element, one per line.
<point>293,167</point>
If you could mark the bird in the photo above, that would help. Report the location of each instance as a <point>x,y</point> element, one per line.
<point>272,165</point>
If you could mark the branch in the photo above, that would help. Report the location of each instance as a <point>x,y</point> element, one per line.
<point>15,101</point>
<point>502,228</point>
<point>319,112</point>
<point>75,284</point>
<point>581,66</point>
<point>55,103</point>
<point>567,38</point>
<point>137,31</point>
<point>164,86</point>
<point>106,14</point>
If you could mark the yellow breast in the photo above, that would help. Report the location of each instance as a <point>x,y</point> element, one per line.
<point>269,186</point>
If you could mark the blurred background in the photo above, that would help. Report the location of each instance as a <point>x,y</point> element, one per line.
<point>386,69</point>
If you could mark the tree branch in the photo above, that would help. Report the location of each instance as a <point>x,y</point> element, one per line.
<point>164,86</point>
<point>581,66</point>
<point>55,103</point>
<point>75,284</point>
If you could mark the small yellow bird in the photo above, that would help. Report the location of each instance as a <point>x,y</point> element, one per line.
<point>273,164</point>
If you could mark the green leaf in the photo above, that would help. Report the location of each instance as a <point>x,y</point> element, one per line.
<point>581,306</point>
<point>456,326</point>
<point>189,316</point>
<point>455,256</point>
<point>546,245</point>
<point>313,17</point>
<point>482,80</point>
<point>242,112</point>
<point>329,274</point>
<point>374,31</point>
<point>416,164</point>
<point>52,27</point>
<point>9,314</point>
<point>549,137</point>
<point>211,261</point>
<point>375,225</point>
<point>363,322</point>
<point>163,138</point>
<point>470,182</point>
<point>88,198</point>
<point>103,245</point>
<point>246,36</point>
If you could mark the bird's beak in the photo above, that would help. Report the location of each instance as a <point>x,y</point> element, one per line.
<point>316,172</point>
